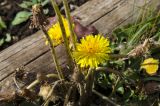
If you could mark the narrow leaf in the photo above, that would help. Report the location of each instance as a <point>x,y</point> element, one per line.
<point>2,24</point>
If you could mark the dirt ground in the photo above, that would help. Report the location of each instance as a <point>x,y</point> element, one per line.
<point>8,10</point>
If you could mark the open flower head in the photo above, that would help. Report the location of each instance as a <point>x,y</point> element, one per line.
<point>150,65</point>
<point>92,51</point>
<point>55,32</point>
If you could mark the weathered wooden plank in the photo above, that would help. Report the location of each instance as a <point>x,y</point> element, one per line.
<point>9,62</point>
<point>119,15</point>
<point>15,58</point>
<point>8,52</point>
<point>36,56</point>
<point>17,55</point>
<point>95,9</point>
<point>140,5</point>
<point>81,12</point>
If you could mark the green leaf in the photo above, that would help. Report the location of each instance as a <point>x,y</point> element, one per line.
<point>45,2</point>
<point>2,24</point>
<point>26,4</point>
<point>152,79</point>
<point>113,77</point>
<point>136,37</point>
<point>119,34</point>
<point>1,41</point>
<point>102,80</point>
<point>120,90</point>
<point>8,37</point>
<point>35,1</point>
<point>21,17</point>
<point>128,94</point>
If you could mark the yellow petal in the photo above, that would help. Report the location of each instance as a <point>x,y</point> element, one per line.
<point>150,65</point>
<point>92,51</point>
<point>55,32</point>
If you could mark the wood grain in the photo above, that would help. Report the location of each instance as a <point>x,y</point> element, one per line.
<point>32,52</point>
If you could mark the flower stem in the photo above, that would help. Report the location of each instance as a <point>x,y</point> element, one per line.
<point>73,34</point>
<point>66,43</point>
<point>105,98</point>
<point>35,82</point>
<point>59,71</point>
<point>67,11</point>
<point>84,101</point>
<point>88,74</point>
<point>90,82</point>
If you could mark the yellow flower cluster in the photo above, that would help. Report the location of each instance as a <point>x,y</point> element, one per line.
<point>92,51</point>
<point>55,32</point>
<point>150,65</point>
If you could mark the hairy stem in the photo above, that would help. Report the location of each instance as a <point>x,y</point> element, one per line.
<point>59,71</point>
<point>66,43</point>
<point>67,11</point>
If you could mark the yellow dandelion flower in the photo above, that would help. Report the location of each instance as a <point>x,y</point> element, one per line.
<point>55,32</point>
<point>150,65</point>
<point>92,51</point>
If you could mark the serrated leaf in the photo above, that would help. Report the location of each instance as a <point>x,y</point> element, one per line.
<point>2,24</point>
<point>21,17</point>
<point>8,37</point>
